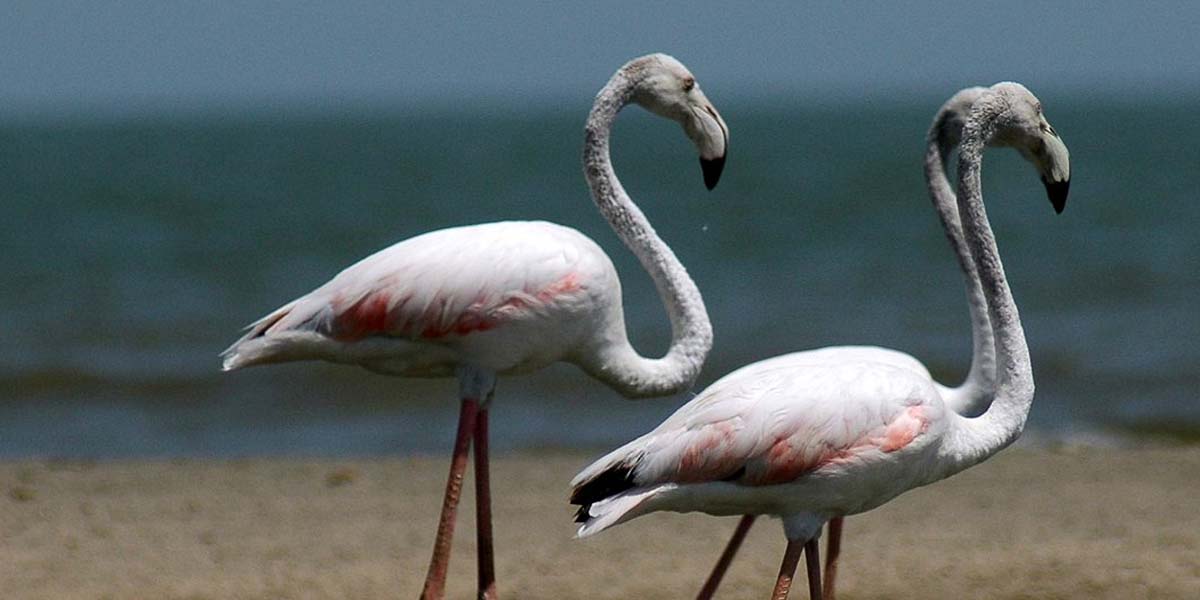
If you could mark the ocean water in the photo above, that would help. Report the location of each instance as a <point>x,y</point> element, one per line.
<point>134,250</point>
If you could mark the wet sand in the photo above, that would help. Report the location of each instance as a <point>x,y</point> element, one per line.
<point>1076,523</point>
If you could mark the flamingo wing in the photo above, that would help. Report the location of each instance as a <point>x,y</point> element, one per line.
<point>772,422</point>
<point>443,284</point>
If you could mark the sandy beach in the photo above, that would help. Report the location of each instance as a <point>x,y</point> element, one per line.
<point>1072,523</point>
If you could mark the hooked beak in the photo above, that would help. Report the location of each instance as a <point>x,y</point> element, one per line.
<point>712,170</point>
<point>1054,161</point>
<point>707,130</point>
<point>1057,192</point>
<point>1047,152</point>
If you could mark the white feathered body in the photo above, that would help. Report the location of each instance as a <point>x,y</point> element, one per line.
<point>509,297</point>
<point>959,399</point>
<point>805,436</point>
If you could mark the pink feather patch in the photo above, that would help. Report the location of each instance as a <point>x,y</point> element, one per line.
<point>375,314</point>
<point>789,459</point>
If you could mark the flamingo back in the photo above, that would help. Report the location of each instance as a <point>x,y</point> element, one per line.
<point>819,429</point>
<point>500,295</point>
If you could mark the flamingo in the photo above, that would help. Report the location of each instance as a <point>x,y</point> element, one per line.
<point>809,440</point>
<point>512,297</point>
<point>968,398</point>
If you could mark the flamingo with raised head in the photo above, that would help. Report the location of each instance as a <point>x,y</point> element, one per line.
<point>512,297</point>
<point>968,398</point>
<point>809,441</point>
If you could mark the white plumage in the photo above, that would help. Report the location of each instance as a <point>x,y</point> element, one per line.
<point>508,297</point>
<point>812,436</point>
<point>968,398</point>
<point>499,298</point>
<point>767,437</point>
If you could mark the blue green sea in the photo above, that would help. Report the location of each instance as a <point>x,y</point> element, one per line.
<point>134,248</point>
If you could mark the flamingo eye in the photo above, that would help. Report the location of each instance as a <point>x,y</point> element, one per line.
<point>689,83</point>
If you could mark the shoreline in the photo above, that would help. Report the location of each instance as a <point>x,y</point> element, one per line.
<point>1031,522</point>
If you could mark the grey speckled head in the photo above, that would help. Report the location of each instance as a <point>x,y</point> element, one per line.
<point>1023,126</point>
<point>666,88</point>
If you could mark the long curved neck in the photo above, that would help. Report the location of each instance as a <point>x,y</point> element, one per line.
<point>973,395</point>
<point>616,362</point>
<point>970,441</point>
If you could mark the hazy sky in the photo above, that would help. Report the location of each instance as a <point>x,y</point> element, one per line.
<point>125,56</point>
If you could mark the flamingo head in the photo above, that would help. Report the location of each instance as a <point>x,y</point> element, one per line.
<point>666,88</point>
<point>1023,126</point>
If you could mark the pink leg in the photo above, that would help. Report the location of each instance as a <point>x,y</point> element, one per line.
<point>483,511</point>
<point>812,560</point>
<point>791,558</point>
<point>832,549</point>
<point>718,572</point>
<point>435,580</point>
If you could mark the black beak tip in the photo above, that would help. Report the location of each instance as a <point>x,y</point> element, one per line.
<point>1057,192</point>
<point>712,168</point>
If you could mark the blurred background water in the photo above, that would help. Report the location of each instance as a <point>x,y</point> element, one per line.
<point>136,242</point>
<point>137,249</point>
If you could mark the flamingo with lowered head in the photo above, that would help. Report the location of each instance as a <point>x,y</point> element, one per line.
<point>512,297</point>
<point>809,441</point>
<point>975,392</point>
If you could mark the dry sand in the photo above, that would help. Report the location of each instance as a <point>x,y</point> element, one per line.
<point>1027,524</point>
